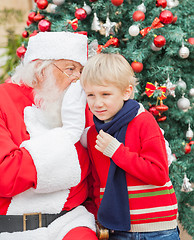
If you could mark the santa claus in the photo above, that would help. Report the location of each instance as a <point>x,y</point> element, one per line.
<point>43,166</point>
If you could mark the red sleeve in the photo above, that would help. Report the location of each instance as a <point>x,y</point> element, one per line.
<point>17,168</point>
<point>149,165</point>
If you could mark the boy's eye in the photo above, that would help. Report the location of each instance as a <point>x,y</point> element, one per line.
<point>90,95</point>
<point>106,94</point>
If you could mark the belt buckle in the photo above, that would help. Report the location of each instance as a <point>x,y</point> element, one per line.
<point>28,214</point>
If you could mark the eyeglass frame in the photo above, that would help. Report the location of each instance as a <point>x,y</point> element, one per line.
<point>63,71</point>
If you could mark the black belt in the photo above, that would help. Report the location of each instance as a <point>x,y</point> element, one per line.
<point>31,221</point>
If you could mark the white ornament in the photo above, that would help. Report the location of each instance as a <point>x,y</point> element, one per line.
<point>95,23</point>
<point>186,186</point>
<point>191,92</point>
<point>189,133</point>
<point>154,48</point>
<point>108,25</point>
<point>184,52</point>
<point>141,8</point>
<point>53,8</point>
<point>170,87</point>
<point>181,84</point>
<point>183,104</point>
<point>87,8</point>
<point>92,47</point>
<point>134,30</point>
<point>58,2</point>
<point>172,3</point>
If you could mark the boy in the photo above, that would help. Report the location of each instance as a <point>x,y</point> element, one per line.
<point>132,188</point>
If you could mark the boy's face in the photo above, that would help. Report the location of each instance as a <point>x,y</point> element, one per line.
<point>106,100</point>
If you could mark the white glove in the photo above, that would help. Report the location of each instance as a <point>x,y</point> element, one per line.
<point>73,111</point>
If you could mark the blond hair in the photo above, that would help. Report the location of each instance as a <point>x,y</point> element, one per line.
<point>108,68</point>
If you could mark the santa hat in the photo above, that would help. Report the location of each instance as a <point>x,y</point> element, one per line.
<point>57,45</point>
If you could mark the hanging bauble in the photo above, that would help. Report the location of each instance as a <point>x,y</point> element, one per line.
<point>21,51</point>
<point>189,133</point>
<point>80,14</point>
<point>44,25</point>
<point>95,23</point>
<point>159,41</point>
<point>108,25</point>
<point>183,104</point>
<point>191,92</point>
<point>53,8</point>
<point>166,17</point>
<point>28,22</point>
<point>34,33</point>
<point>31,16</point>
<point>42,4</point>
<point>154,48</point>
<point>191,40</point>
<point>181,84</point>
<point>138,16</point>
<point>25,34</point>
<point>153,110</point>
<point>117,2</point>
<point>38,17</point>
<point>170,87</point>
<point>186,186</point>
<point>134,30</point>
<point>137,66</point>
<point>172,3</point>
<point>161,3</point>
<point>174,19</point>
<point>141,8</point>
<point>161,118</point>
<point>58,2</point>
<point>161,108</point>
<point>87,8</point>
<point>184,52</point>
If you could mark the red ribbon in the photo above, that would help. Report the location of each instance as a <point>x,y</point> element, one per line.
<point>151,88</point>
<point>156,24</point>
<point>73,23</point>
<point>112,41</point>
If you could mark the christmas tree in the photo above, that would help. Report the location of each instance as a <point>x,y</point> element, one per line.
<point>156,37</point>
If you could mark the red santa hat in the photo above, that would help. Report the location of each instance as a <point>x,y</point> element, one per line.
<point>57,45</point>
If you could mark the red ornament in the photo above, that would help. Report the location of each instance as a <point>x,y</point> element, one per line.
<point>153,110</point>
<point>117,2</point>
<point>187,148</point>
<point>161,3</point>
<point>38,17</point>
<point>28,22</point>
<point>138,16</point>
<point>159,41</point>
<point>44,25</point>
<point>31,16</point>
<point>162,108</point>
<point>25,34</point>
<point>174,19</point>
<point>42,4</point>
<point>35,1</point>
<point>191,40</point>
<point>161,119</point>
<point>34,33</point>
<point>137,66</point>
<point>21,51</point>
<point>80,14</point>
<point>166,17</point>
<point>93,0</point>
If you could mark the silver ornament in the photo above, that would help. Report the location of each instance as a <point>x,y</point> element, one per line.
<point>186,186</point>
<point>108,25</point>
<point>183,104</point>
<point>58,2</point>
<point>154,48</point>
<point>134,30</point>
<point>189,133</point>
<point>191,92</point>
<point>141,8</point>
<point>170,87</point>
<point>53,8</point>
<point>172,3</point>
<point>181,84</point>
<point>95,23</point>
<point>87,8</point>
<point>184,52</point>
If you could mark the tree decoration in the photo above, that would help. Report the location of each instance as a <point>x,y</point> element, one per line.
<point>181,84</point>
<point>189,133</point>
<point>95,23</point>
<point>183,103</point>
<point>21,51</point>
<point>174,19</point>
<point>151,88</point>
<point>112,41</point>
<point>159,41</point>
<point>138,16</point>
<point>172,3</point>
<point>191,92</point>
<point>44,25</point>
<point>152,109</point>
<point>170,87</point>
<point>184,51</point>
<point>31,16</point>
<point>161,108</point>
<point>34,33</point>
<point>186,186</point>
<point>73,23</point>
<point>25,34</point>
<point>155,25</point>
<point>161,3</point>
<point>109,26</point>
<point>117,2</point>
<point>87,8</point>
<point>28,22</point>
<point>53,8</point>
<point>42,4</point>
<point>161,118</point>
<point>58,2</point>
<point>166,17</point>
<point>80,14</point>
<point>191,40</point>
<point>38,17</point>
<point>141,8</point>
<point>93,0</point>
<point>137,66</point>
<point>134,30</point>
<point>154,48</point>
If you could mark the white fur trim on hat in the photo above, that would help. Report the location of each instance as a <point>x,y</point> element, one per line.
<point>57,45</point>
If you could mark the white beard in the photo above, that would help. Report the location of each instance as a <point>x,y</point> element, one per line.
<point>49,100</point>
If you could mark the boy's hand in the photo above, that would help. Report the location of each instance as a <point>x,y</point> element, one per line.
<point>103,140</point>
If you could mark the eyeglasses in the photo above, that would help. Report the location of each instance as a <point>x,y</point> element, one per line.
<point>63,71</point>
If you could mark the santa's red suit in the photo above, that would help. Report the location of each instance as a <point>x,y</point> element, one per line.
<point>43,173</point>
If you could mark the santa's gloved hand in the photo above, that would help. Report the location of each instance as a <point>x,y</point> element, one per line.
<point>73,111</point>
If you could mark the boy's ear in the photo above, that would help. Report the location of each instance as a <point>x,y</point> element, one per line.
<point>127,93</point>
